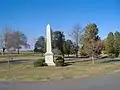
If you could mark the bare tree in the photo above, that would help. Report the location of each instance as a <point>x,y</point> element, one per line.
<point>2,44</point>
<point>8,40</point>
<point>19,40</point>
<point>7,43</point>
<point>76,35</point>
<point>12,40</point>
<point>5,34</point>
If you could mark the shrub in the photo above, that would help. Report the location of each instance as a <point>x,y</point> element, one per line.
<point>39,63</point>
<point>111,55</point>
<point>116,54</point>
<point>119,55</point>
<point>59,61</point>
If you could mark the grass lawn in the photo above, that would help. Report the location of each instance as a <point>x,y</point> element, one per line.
<point>20,56</point>
<point>27,72</point>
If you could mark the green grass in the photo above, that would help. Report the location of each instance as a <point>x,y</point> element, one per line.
<point>27,72</point>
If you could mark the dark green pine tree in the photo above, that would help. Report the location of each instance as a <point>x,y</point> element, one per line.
<point>117,43</point>
<point>109,45</point>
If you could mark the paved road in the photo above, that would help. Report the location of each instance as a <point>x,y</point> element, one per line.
<point>105,82</point>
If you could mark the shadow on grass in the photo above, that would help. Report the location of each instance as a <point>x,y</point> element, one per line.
<point>108,61</point>
<point>84,60</point>
<point>69,57</point>
<point>69,63</point>
<point>16,61</point>
<point>76,57</point>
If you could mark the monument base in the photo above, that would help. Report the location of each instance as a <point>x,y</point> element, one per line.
<point>49,59</point>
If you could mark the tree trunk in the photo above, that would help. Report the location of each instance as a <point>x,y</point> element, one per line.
<point>8,59</point>
<point>93,61</point>
<point>63,55</point>
<point>18,51</point>
<point>3,50</point>
<point>76,54</point>
<point>68,55</point>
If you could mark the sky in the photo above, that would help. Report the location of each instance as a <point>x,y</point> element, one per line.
<point>32,16</point>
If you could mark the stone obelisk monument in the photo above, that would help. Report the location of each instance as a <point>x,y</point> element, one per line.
<point>48,54</point>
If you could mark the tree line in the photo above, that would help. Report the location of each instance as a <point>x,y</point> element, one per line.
<point>59,44</point>
<point>13,40</point>
<point>85,42</point>
<point>112,44</point>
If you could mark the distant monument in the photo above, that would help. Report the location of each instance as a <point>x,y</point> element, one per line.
<point>48,54</point>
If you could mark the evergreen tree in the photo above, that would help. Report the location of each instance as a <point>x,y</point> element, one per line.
<point>109,45</point>
<point>117,43</point>
<point>58,39</point>
<point>68,47</point>
<point>40,45</point>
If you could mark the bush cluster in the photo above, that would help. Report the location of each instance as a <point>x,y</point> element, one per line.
<point>40,63</point>
<point>59,61</point>
<point>111,55</point>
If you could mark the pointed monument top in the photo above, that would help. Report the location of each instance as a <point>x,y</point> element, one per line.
<point>48,26</point>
